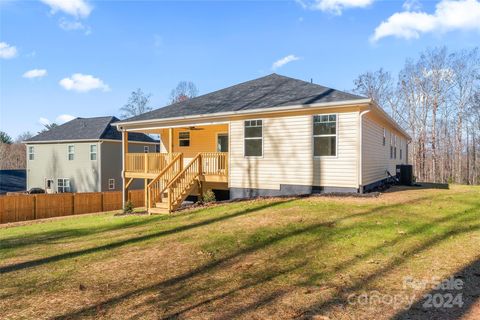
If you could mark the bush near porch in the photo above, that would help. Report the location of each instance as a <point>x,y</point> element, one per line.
<point>271,258</point>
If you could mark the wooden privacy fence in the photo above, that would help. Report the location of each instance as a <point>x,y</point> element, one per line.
<point>15,208</point>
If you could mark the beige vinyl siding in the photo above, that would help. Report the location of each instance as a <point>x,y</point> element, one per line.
<point>341,171</point>
<point>376,156</point>
<point>288,154</point>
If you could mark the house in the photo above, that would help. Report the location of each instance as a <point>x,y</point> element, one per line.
<point>270,136</point>
<point>82,155</point>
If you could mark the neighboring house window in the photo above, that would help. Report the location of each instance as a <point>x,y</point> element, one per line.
<point>384,136</point>
<point>31,153</point>
<point>325,135</point>
<point>93,152</point>
<point>63,185</point>
<point>111,184</point>
<point>157,148</point>
<point>253,137</point>
<point>146,149</point>
<point>71,152</point>
<point>184,139</point>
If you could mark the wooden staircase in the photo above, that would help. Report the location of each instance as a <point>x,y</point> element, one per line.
<point>175,183</point>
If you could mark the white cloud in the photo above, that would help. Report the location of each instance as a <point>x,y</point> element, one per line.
<point>333,6</point>
<point>7,51</point>
<point>283,61</point>
<point>44,121</point>
<point>61,119</point>
<point>35,73</point>
<point>449,15</point>
<point>73,25</point>
<point>412,5</point>
<point>83,83</point>
<point>76,8</point>
<point>64,118</point>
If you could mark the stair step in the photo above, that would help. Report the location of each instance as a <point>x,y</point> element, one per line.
<point>163,205</point>
<point>158,211</point>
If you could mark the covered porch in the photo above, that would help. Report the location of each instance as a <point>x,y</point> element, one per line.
<point>188,161</point>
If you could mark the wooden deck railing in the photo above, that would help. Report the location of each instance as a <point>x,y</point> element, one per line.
<point>148,162</point>
<point>157,187</point>
<point>215,163</point>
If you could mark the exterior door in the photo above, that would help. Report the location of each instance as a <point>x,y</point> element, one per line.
<point>222,142</point>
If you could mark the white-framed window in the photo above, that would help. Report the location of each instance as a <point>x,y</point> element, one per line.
<point>395,147</point>
<point>93,152</point>
<point>325,135</point>
<point>63,185</point>
<point>184,139</point>
<point>146,149</point>
<point>391,145</point>
<point>71,152</point>
<point>49,184</point>
<point>31,153</point>
<point>253,138</point>
<point>111,184</point>
<point>384,136</point>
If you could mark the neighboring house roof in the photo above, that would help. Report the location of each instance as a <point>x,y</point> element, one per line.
<point>13,180</point>
<point>266,92</point>
<point>97,128</point>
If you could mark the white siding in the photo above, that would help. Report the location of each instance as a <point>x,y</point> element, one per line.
<point>376,156</point>
<point>288,155</point>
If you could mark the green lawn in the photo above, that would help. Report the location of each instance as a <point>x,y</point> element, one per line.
<point>275,258</point>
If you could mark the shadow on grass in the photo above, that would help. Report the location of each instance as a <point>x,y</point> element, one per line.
<point>113,245</point>
<point>435,304</point>
<point>63,233</point>
<point>341,298</point>
<point>207,268</point>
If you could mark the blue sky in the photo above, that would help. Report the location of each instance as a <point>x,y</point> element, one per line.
<point>83,58</point>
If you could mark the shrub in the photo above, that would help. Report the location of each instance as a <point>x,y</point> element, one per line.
<point>208,196</point>
<point>128,207</point>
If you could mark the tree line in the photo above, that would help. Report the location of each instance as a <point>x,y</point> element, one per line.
<point>436,97</point>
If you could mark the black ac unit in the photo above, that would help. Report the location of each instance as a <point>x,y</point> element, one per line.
<point>405,174</point>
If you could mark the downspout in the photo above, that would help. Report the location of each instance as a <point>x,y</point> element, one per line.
<point>123,169</point>
<point>360,147</point>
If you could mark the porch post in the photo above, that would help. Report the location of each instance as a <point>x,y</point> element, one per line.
<point>124,164</point>
<point>170,140</point>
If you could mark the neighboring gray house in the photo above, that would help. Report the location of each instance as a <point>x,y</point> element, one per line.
<point>82,155</point>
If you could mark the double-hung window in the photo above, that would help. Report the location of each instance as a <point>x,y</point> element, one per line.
<point>71,152</point>
<point>395,147</point>
<point>184,139</point>
<point>325,135</point>
<point>146,149</point>
<point>93,152</point>
<point>253,136</point>
<point>391,145</point>
<point>63,185</point>
<point>111,184</point>
<point>31,153</point>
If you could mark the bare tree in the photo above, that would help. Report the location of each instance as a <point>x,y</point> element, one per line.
<point>138,103</point>
<point>185,90</point>
<point>48,126</point>
<point>23,136</point>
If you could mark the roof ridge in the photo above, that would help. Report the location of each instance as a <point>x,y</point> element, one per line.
<point>106,127</point>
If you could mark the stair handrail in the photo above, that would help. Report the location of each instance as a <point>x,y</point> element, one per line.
<point>150,186</point>
<point>181,174</point>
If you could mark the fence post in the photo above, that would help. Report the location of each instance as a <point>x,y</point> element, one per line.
<point>34,207</point>
<point>73,203</point>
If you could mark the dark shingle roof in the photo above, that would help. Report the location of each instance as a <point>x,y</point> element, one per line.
<point>266,92</point>
<point>88,129</point>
